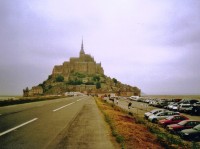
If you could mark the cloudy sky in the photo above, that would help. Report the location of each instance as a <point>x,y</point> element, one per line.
<point>154,45</point>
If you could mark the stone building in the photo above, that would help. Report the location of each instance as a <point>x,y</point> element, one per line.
<point>85,63</point>
<point>35,91</point>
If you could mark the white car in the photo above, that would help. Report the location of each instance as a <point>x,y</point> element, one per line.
<point>162,115</point>
<point>134,98</point>
<point>174,107</point>
<point>155,111</point>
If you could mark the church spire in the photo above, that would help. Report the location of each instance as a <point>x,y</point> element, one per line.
<point>82,45</point>
<point>82,49</point>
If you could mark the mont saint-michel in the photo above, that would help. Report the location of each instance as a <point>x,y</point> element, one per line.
<point>81,74</point>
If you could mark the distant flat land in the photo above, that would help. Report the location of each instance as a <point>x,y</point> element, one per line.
<point>6,97</point>
<point>174,96</point>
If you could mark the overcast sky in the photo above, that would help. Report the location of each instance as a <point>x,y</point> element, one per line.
<point>154,45</point>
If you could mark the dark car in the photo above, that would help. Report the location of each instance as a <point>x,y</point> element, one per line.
<point>196,109</point>
<point>172,120</point>
<point>186,124</point>
<point>192,134</point>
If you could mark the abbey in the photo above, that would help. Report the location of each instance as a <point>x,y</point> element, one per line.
<point>80,74</point>
<point>85,63</point>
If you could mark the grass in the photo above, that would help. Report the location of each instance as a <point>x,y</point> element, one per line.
<point>128,132</point>
<point>132,131</point>
<point>27,100</point>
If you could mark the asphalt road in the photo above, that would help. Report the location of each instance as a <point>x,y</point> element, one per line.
<point>73,122</point>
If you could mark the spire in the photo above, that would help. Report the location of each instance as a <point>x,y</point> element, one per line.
<point>82,49</point>
<point>82,45</point>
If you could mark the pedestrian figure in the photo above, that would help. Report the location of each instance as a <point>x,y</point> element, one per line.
<point>129,105</point>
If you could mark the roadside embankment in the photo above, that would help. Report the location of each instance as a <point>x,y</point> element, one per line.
<point>133,131</point>
<point>129,133</point>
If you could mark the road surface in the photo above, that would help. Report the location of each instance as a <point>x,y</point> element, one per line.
<point>73,122</point>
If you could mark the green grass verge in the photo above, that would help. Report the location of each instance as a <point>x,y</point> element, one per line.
<point>27,100</point>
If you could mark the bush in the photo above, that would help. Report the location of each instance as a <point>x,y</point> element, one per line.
<point>80,75</point>
<point>98,85</point>
<point>74,82</point>
<point>120,139</point>
<point>96,78</point>
<point>115,80</point>
<point>89,83</point>
<point>49,77</point>
<point>59,78</point>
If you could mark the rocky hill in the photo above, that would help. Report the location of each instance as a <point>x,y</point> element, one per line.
<point>81,74</point>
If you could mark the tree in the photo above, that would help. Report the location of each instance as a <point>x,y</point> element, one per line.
<point>75,82</point>
<point>59,78</point>
<point>98,85</point>
<point>115,80</point>
<point>49,77</point>
<point>96,78</point>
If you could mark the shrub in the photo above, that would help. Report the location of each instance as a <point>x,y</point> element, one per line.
<point>74,82</point>
<point>96,78</point>
<point>80,75</point>
<point>115,80</point>
<point>59,78</point>
<point>49,77</point>
<point>98,85</point>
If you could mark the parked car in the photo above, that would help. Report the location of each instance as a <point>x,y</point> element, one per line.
<point>162,104</point>
<point>172,120</point>
<point>134,98</point>
<point>185,124</point>
<point>192,101</point>
<point>174,107</point>
<point>170,104</point>
<point>196,109</point>
<point>192,134</point>
<point>184,107</point>
<point>162,115</point>
<point>155,111</point>
<point>154,103</point>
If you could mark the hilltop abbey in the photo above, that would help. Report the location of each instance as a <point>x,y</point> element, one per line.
<point>85,63</point>
<point>80,74</point>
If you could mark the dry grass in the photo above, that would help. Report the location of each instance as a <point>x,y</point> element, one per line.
<point>127,132</point>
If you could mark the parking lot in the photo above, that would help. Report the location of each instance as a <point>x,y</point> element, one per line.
<point>140,108</point>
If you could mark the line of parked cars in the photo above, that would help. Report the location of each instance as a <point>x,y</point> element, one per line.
<point>189,106</point>
<point>175,123</point>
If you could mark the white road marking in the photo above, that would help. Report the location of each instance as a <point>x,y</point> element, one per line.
<point>63,107</point>
<point>78,99</point>
<point>12,129</point>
